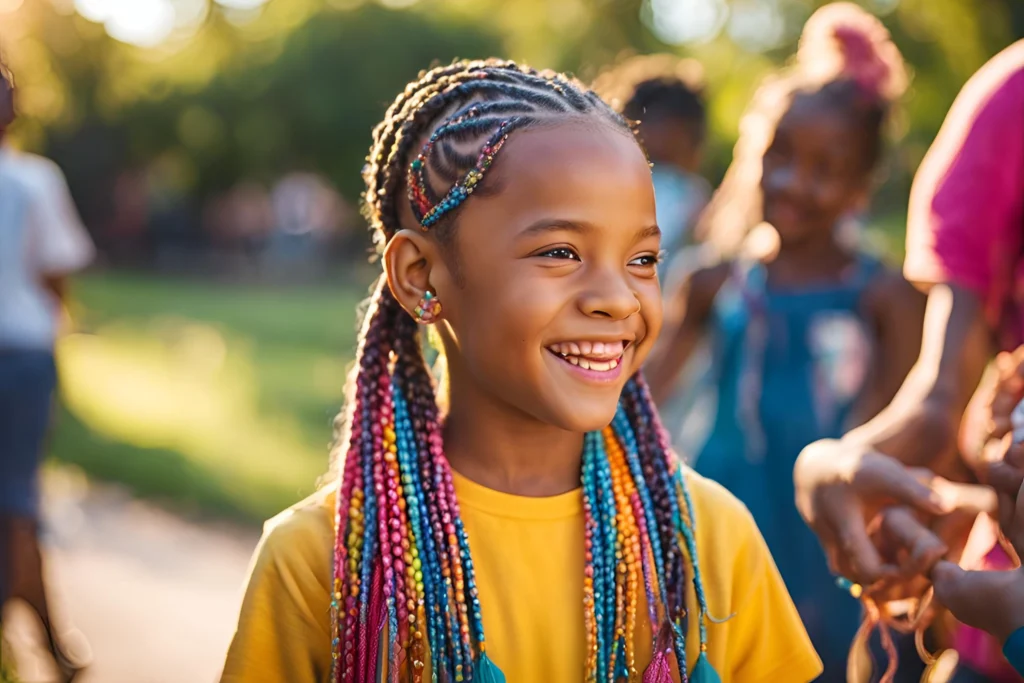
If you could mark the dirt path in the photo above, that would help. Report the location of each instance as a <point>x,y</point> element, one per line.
<point>156,596</point>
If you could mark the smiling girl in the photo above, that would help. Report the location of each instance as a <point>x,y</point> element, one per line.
<point>536,528</point>
<point>815,337</point>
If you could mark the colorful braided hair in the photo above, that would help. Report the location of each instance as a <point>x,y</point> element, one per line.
<point>403,565</point>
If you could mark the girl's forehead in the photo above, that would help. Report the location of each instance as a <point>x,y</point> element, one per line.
<point>580,172</point>
<point>818,107</point>
<point>568,148</point>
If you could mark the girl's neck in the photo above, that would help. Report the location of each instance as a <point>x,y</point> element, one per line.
<point>505,449</point>
<point>813,261</point>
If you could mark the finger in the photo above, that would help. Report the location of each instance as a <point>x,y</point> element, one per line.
<point>955,531</point>
<point>1015,533</point>
<point>1004,478</point>
<point>827,539</point>
<point>966,498</point>
<point>921,548</point>
<point>832,513</point>
<point>974,597</point>
<point>1015,455</point>
<point>1008,392</point>
<point>859,559</point>
<point>1011,364</point>
<point>1001,422</point>
<point>953,588</point>
<point>1007,510</point>
<point>956,496</point>
<point>998,450</point>
<point>882,477</point>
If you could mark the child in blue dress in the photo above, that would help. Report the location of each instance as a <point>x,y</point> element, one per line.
<point>813,336</point>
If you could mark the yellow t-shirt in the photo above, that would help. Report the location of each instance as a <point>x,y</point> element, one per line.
<point>528,556</point>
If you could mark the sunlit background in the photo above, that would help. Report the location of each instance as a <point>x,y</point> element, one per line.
<point>209,353</point>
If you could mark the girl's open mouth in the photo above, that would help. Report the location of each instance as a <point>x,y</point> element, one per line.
<point>592,359</point>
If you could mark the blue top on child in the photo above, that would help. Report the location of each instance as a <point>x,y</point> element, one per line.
<point>788,367</point>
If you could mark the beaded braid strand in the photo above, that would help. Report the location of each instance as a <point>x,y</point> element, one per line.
<point>428,214</point>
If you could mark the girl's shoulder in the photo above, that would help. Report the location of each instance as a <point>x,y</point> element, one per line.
<point>301,536</point>
<point>284,624</point>
<point>715,508</point>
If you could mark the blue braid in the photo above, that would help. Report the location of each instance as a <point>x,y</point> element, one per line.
<point>418,518</point>
<point>625,433</point>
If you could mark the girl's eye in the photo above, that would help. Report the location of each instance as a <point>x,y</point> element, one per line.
<point>646,261</point>
<point>561,253</point>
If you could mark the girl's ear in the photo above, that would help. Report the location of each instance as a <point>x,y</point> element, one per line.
<point>409,258</point>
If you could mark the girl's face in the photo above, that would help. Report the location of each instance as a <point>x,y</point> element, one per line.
<point>550,297</point>
<point>814,171</point>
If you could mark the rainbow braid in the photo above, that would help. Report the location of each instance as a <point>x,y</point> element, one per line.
<point>429,212</point>
<point>403,568</point>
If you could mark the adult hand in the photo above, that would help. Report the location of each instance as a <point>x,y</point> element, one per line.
<point>999,461</point>
<point>992,601</point>
<point>840,489</point>
<point>915,542</point>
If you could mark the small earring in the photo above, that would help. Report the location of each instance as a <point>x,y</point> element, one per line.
<point>428,310</point>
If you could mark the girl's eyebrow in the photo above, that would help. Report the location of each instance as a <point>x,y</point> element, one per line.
<point>649,231</point>
<point>561,225</point>
<point>554,225</point>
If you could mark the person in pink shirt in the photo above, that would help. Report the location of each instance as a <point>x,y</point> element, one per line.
<point>966,228</point>
<point>966,223</point>
<point>965,246</point>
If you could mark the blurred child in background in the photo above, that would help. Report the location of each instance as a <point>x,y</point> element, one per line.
<point>813,336</point>
<point>42,241</point>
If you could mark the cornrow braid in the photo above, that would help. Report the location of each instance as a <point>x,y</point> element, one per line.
<point>403,569</point>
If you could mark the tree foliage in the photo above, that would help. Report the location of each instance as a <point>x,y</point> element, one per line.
<point>301,82</point>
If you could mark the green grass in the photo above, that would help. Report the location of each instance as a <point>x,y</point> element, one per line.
<point>214,397</point>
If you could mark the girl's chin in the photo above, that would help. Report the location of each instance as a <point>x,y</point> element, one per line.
<point>584,416</point>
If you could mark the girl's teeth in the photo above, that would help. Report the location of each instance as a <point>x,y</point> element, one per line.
<point>575,353</point>
<point>586,363</point>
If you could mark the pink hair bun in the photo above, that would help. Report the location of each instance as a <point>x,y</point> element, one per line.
<point>841,40</point>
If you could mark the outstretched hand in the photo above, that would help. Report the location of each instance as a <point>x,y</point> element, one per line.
<point>999,462</point>
<point>842,488</point>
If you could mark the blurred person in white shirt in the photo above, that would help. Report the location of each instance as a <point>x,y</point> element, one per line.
<point>42,241</point>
